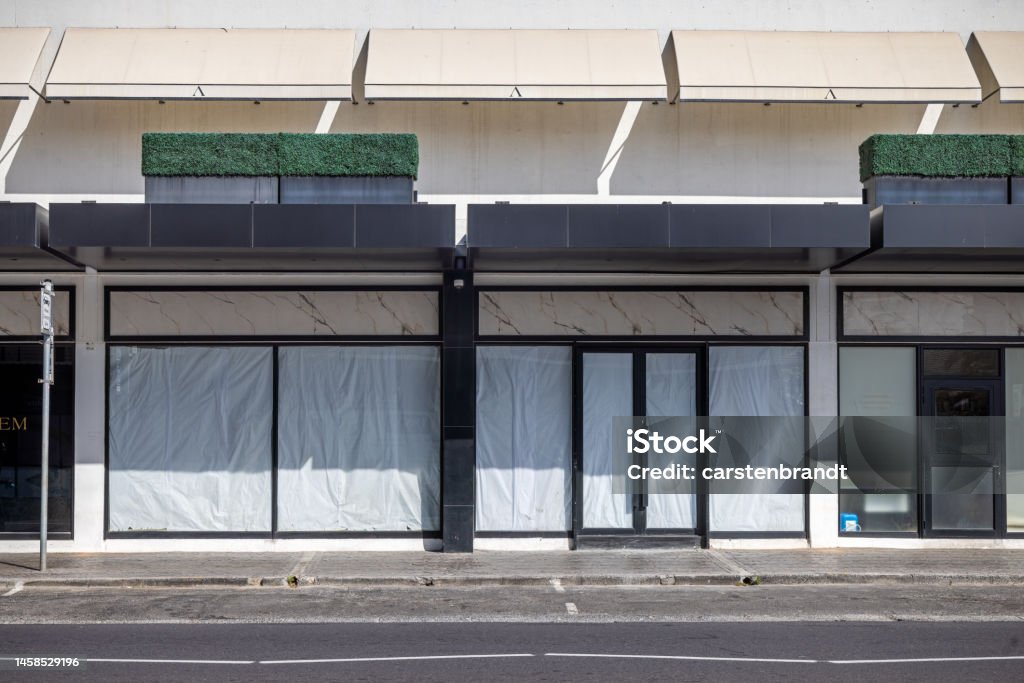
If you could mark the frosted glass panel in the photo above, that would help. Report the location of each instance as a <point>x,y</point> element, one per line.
<point>1015,440</point>
<point>880,381</point>
<point>877,380</point>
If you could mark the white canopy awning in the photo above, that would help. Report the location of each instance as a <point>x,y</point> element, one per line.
<point>792,66</point>
<point>464,64</point>
<point>20,49</point>
<point>185,64</point>
<point>998,58</point>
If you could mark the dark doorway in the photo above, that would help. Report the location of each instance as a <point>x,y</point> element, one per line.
<point>20,440</point>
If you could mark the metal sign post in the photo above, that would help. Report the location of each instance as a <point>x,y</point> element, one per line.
<point>46,327</point>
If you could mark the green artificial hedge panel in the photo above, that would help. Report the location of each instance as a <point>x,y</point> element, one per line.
<point>273,154</point>
<point>937,156</point>
<point>349,154</point>
<point>1017,155</point>
<point>209,154</point>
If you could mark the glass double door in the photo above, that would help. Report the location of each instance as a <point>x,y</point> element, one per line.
<point>614,383</point>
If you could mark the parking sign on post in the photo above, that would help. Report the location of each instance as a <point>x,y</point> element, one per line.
<point>46,329</point>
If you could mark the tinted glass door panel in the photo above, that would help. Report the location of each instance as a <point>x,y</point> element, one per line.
<point>963,453</point>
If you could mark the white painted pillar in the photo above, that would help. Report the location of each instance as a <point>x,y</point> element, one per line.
<point>611,157</point>
<point>90,414</point>
<point>930,119</point>
<point>823,400</point>
<point>327,116</point>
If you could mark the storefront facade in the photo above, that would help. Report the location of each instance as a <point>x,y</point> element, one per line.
<point>259,360</point>
<point>258,411</point>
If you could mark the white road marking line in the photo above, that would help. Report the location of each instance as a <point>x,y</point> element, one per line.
<point>727,563</point>
<point>571,608</point>
<point>18,585</point>
<point>303,564</point>
<point>918,660</point>
<point>171,661</point>
<point>557,584</point>
<point>386,659</point>
<point>687,658</point>
<point>925,660</point>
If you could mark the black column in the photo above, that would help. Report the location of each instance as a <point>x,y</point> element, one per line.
<point>458,419</point>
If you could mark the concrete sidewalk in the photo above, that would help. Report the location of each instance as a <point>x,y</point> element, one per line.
<point>585,568</point>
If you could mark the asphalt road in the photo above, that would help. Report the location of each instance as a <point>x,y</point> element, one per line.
<point>984,651</point>
<point>557,633</point>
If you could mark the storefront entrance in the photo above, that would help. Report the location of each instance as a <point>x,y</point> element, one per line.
<point>21,437</point>
<point>963,449</point>
<point>613,383</point>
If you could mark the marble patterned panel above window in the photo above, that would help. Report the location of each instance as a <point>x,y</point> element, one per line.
<point>566,313</point>
<point>19,313</point>
<point>279,313</point>
<point>906,313</point>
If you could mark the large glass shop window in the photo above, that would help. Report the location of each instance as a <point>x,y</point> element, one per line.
<point>524,438</point>
<point>359,438</point>
<point>190,439</point>
<point>878,383</point>
<point>758,381</point>
<point>21,400</point>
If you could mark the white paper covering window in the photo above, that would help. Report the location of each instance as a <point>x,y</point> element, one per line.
<point>607,394</point>
<point>757,381</point>
<point>359,438</point>
<point>524,438</point>
<point>190,439</point>
<point>671,391</point>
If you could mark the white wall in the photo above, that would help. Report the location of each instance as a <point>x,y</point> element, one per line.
<point>95,147</point>
<point>753,150</point>
<point>821,15</point>
<point>512,148</point>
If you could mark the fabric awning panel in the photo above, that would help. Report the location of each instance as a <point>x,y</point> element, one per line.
<point>231,64</point>
<point>998,58</point>
<point>461,64</point>
<point>20,49</point>
<point>807,66</point>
